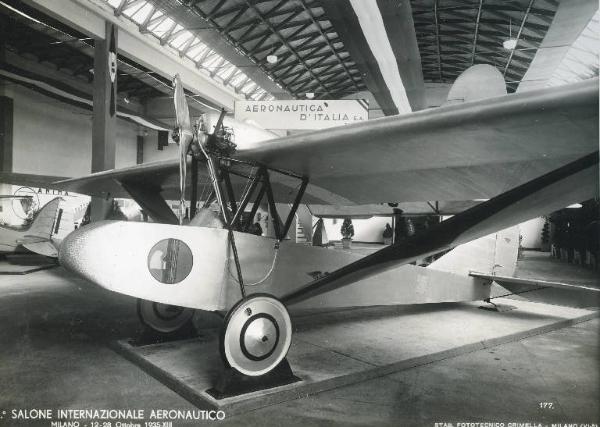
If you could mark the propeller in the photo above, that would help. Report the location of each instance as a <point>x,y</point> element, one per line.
<point>186,136</point>
<point>208,145</point>
<point>189,138</point>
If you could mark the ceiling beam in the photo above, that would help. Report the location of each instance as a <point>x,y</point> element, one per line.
<point>437,37</point>
<point>90,19</point>
<point>476,32</point>
<point>523,21</point>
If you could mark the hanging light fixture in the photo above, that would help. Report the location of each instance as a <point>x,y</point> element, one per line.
<point>510,44</point>
<point>310,95</point>
<point>272,59</point>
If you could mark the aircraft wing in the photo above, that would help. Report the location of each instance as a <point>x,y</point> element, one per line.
<point>30,180</point>
<point>26,240</point>
<point>468,151</point>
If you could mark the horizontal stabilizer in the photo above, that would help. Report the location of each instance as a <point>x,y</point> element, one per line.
<point>546,291</point>
<point>26,240</point>
<point>502,280</point>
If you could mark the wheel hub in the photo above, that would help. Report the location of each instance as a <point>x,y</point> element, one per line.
<point>260,335</point>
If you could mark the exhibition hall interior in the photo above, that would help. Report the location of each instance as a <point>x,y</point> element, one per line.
<point>299,212</point>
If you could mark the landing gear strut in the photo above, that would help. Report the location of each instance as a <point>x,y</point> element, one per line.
<point>257,331</point>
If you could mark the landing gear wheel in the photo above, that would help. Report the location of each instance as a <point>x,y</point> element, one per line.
<point>164,318</point>
<point>256,335</point>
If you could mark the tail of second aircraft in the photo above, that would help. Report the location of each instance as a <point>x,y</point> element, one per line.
<point>38,237</point>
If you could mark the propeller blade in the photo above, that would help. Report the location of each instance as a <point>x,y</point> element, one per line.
<point>182,112</point>
<point>186,135</point>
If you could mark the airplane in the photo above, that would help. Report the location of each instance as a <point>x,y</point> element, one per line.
<point>527,154</point>
<point>72,212</point>
<point>38,236</point>
<point>62,214</point>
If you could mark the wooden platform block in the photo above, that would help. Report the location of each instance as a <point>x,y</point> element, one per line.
<point>342,347</point>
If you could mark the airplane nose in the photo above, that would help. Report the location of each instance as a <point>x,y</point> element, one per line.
<point>151,261</point>
<point>82,249</point>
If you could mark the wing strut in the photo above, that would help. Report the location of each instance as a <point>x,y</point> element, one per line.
<point>220,170</point>
<point>573,182</point>
<point>214,177</point>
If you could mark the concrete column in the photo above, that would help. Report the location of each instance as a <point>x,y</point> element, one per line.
<point>140,150</point>
<point>6,112</point>
<point>6,134</point>
<point>6,150</point>
<point>6,125</point>
<point>104,123</point>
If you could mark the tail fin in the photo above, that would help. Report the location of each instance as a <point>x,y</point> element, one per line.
<point>37,237</point>
<point>478,82</point>
<point>495,253</point>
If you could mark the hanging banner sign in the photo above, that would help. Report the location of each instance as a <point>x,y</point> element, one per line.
<point>302,114</point>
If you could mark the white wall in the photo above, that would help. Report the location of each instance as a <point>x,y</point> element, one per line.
<point>55,138</point>
<point>126,149</point>
<point>153,154</point>
<point>532,233</point>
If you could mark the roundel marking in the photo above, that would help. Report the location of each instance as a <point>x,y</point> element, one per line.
<point>170,261</point>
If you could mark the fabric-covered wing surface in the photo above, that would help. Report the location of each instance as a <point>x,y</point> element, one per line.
<point>469,151</point>
<point>461,152</point>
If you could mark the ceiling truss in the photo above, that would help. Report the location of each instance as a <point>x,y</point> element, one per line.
<point>453,35</point>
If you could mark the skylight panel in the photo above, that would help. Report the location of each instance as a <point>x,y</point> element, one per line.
<point>248,87</point>
<point>155,21</point>
<point>256,96</point>
<point>195,52</point>
<point>130,11</point>
<point>226,72</point>
<point>238,79</point>
<point>181,39</point>
<point>141,15</point>
<point>165,28</point>
<point>212,61</point>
